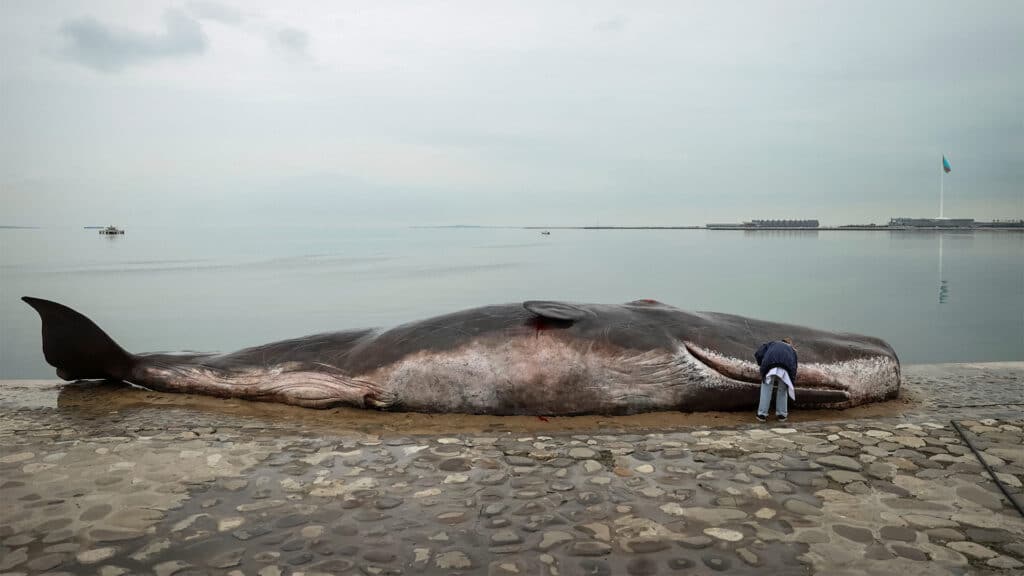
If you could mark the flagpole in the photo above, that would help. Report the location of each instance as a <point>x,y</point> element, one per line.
<point>942,188</point>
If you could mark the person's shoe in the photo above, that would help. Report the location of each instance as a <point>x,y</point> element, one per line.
<point>761,418</point>
<point>783,418</point>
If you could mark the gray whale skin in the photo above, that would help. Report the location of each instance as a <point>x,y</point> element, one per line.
<point>536,357</point>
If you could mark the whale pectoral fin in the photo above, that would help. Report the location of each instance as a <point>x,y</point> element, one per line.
<point>555,310</point>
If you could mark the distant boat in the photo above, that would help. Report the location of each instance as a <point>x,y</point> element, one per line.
<point>546,233</point>
<point>111,230</point>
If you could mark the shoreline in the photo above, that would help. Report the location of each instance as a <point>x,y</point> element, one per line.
<point>924,388</point>
<point>779,229</point>
<point>842,228</point>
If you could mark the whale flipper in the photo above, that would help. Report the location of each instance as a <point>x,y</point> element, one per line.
<point>76,346</point>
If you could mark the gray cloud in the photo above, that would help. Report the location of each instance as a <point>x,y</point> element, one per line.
<point>215,11</point>
<point>107,49</point>
<point>293,40</point>
<point>616,24</point>
<point>686,112</point>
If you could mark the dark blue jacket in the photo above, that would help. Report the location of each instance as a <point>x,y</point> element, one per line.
<point>776,353</point>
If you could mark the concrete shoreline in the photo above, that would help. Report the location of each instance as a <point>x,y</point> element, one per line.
<point>841,228</point>
<point>844,228</point>
<point>107,480</point>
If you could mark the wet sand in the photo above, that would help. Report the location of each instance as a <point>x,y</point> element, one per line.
<point>103,397</point>
<point>925,387</point>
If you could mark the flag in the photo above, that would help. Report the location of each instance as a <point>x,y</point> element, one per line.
<point>945,165</point>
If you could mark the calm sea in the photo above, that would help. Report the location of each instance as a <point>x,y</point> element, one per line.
<point>936,297</point>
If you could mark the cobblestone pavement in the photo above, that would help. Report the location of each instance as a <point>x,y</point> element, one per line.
<point>96,488</point>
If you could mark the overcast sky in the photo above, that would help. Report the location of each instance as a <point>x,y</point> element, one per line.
<point>508,113</point>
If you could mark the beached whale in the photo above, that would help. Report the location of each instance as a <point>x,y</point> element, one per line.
<point>536,357</point>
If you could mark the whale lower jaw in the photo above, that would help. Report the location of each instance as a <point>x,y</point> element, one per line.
<point>834,385</point>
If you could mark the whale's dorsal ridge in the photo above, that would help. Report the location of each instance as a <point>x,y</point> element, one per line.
<point>554,310</point>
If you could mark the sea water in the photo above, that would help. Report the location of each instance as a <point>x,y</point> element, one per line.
<point>934,296</point>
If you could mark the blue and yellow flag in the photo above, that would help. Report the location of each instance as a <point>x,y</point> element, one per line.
<point>945,165</point>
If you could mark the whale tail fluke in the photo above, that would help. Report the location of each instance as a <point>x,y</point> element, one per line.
<point>76,346</point>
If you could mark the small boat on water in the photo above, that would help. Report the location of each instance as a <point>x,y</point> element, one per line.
<point>545,233</point>
<point>111,230</point>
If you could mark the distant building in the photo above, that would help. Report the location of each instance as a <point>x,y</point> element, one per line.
<point>784,223</point>
<point>758,224</point>
<point>931,223</point>
<point>1001,224</point>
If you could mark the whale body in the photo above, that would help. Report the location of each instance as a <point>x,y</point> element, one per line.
<point>534,357</point>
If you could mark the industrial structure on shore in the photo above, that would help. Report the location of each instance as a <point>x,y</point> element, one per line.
<point>770,224</point>
<point>931,223</point>
<point>894,224</point>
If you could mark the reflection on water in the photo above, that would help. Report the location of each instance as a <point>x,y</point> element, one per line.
<point>943,288</point>
<point>958,235</point>
<point>767,232</point>
<point>943,284</point>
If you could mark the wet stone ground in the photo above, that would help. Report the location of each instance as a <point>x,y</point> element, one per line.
<point>176,491</point>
